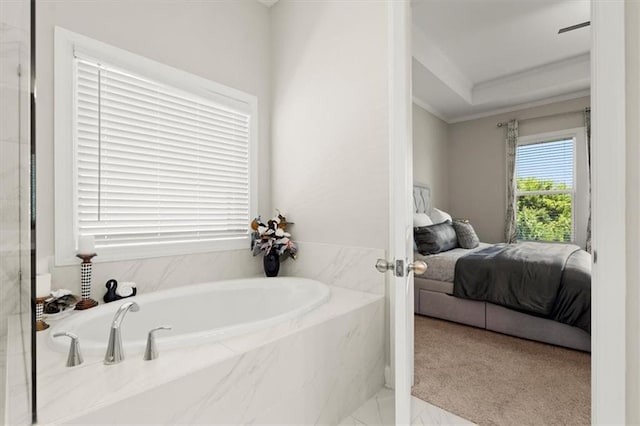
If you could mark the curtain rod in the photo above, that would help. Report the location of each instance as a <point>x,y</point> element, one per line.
<point>547,116</point>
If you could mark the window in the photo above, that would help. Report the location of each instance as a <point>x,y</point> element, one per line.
<point>545,189</point>
<point>161,159</point>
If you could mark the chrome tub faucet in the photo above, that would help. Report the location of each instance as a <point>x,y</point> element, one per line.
<point>115,352</point>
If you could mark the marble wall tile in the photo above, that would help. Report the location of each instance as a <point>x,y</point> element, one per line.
<point>18,397</point>
<point>10,108</point>
<point>349,267</point>
<point>9,169</point>
<point>14,210</point>
<point>318,375</point>
<point>159,273</point>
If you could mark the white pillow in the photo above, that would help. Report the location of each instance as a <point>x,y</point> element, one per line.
<point>421,219</point>
<point>439,216</point>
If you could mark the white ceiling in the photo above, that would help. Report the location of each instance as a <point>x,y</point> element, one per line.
<point>478,57</point>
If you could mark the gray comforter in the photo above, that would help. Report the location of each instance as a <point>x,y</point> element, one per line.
<point>544,279</point>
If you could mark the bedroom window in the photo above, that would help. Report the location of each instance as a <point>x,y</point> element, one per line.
<point>158,161</point>
<point>545,189</point>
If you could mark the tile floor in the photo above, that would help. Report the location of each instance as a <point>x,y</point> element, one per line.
<point>379,411</point>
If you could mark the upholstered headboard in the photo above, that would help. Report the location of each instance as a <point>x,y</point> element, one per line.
<point>422,198</point>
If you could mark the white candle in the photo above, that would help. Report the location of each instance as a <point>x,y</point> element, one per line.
<point>43,285</point>
<point>86,244</point>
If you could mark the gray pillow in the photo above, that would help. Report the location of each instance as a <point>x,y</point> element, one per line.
<point>467,237</point>
<point>434,239</point>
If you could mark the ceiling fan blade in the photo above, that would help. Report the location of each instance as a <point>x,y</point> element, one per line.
<point>574,27</point>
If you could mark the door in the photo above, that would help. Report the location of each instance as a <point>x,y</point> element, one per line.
<point>400,262</point>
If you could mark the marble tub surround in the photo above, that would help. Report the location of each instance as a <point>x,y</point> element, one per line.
<point>342,266</point>
<point>157,273</point>
<point>327,363</point>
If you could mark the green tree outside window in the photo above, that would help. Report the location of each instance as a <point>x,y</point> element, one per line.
<point>543,217</point>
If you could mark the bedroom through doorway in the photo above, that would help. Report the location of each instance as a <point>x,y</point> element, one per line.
<point>502,171</point>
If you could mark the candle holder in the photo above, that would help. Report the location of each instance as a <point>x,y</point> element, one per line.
<point>40,324</point>
<point>86,269</point>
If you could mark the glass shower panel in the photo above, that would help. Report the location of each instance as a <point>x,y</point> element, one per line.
<point>15,215</point>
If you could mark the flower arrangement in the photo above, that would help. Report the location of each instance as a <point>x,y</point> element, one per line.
<point>272,236</point>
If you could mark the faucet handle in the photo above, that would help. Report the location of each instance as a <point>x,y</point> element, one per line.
<point>151,351</point>
<point>75,356</point>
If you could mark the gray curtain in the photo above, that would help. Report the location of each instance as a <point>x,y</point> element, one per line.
<point>510,230</point>
<point>587,126</point>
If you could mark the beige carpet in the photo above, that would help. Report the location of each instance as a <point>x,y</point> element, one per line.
<point>493,379</point>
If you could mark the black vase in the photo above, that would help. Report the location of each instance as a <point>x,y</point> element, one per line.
<point>271,264</point>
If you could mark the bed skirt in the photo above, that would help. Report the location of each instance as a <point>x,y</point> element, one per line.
<point>431,300</point>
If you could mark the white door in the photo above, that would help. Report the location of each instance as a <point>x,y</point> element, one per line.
<point>400,263</point>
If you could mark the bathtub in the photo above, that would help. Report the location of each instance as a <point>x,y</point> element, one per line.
<point>197,313</point>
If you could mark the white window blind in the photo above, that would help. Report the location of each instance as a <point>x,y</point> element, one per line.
<point>545,190</point>
<point>156,164</point>
<point>547,161</point>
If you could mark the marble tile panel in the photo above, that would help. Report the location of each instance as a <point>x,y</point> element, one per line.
<point>349,267</point>
<point>17,403</point>
<point>9,60</point>
<point>60,388</point>
<point>326,398</point>
<point>159,273</point>
<point>333,365</point>
<point>9,225</point>
<point>9,287</point>
<point>9,169</point>
<point>10,115</point>
<point>15,15</point>
<point>341,301</point>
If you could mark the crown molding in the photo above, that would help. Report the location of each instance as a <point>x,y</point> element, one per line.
<point>520,107</point>
<point>425,106</point>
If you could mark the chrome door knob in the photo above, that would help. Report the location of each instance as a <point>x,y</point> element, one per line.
<point>418,267</point>
<point>383,265</point>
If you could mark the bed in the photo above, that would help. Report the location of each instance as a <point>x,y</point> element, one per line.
<point>434,297</point>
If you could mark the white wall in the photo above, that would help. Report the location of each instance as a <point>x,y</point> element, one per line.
<point>431,155</point>
<point>330,139</point>
<point>224,41</point>
<point>477,165</point>
<point>330,121</point>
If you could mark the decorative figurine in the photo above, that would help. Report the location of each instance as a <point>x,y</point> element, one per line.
<point>127,289</point>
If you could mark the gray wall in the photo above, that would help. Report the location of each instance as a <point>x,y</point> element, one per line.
<point>431,155</point>
<point>477,165</point>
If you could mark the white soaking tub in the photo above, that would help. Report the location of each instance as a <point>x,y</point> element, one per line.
<point>197,313</point>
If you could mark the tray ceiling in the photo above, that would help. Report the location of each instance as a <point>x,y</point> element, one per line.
<point>475,58</point>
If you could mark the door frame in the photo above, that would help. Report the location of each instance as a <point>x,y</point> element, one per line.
<point>608,201</point>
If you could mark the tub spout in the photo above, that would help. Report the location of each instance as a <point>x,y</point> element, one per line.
<point>115,352</point>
